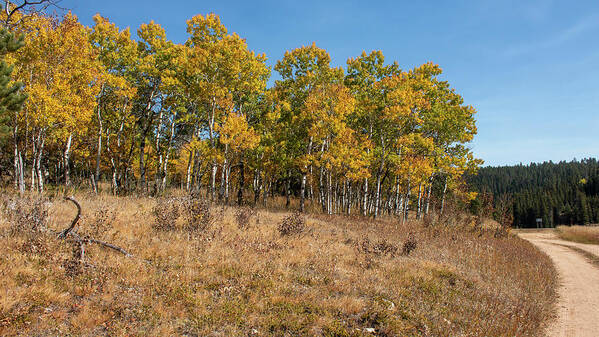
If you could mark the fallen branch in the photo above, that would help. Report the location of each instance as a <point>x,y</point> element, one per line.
<point>66,231</point>
<point>82,241</point>
<point>109,245</point>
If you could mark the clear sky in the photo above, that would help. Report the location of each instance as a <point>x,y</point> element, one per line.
<point>529,67</point>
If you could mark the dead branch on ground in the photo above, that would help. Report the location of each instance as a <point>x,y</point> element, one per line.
<point>69,234</point>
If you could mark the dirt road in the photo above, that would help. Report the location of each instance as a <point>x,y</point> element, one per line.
<point>578,303</point>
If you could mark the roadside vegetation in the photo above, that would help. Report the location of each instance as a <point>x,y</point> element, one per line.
<point>161,138</point>
<point>199,270</point>
<point>580,234</point>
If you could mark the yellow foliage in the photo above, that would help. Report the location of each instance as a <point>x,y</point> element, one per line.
<point>61,73</point>
<point>236,133</point>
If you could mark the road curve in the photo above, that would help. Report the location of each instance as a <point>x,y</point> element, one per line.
<point>578,303</point>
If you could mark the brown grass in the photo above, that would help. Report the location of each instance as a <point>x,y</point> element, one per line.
<point>581,234</point>
<point>340,276</point>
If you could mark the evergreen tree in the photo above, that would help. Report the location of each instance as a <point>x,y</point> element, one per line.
<point>563,193</point>
<point>11,95</point>
<point>582,212</point>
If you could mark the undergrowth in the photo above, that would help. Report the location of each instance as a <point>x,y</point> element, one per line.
<point>198,270</point>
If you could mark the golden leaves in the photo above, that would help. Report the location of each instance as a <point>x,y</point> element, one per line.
<point>208,97</point>
<point>61,73</point>
<point>237,134</point>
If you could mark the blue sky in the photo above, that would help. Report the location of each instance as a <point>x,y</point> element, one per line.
<point>530,68</point>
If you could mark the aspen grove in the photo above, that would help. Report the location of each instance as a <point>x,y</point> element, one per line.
<point>144,115</point>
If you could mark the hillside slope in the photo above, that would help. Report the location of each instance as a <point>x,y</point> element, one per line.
<point>338,276</point>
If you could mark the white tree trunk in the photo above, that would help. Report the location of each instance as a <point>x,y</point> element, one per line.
<point>419,209</point>
<point>443,197</point>
<point>38,166</point>
<point>66,161</point>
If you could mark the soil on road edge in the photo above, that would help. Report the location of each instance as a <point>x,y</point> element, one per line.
<point>578,303</point>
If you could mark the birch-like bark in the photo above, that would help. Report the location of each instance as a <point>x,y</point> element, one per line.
<point>428,194</point>
<point>213,144</point>
<point>406,207</point>
<point>66,163</point>
<point>142,166</point>
<point>443,196</point>
<point>227,184</point>
<point>365,198</point>
<point>349,198</point>
<point>159,154</point>
<point>99,145</point>
<point>16,158</point>
<point>329,192</point>
<point>288,192</point>
<point>304,178</point>
<point>38,166</point>
<point>169,145</point>
<point>321,190</point>
<point>377,199</point>
<point>21,175</point>
<point>117,172</point>
<point>33,185</point>
<point>223,173</point>
<point>241,183</point>
<point>142,144</point>
<point>257,185</point>
<point>266,190</point>
<point>213,182</point>
<point>18,166</point>
<point>188,177</point>
<point>397,195</point>
<point>419,207</point>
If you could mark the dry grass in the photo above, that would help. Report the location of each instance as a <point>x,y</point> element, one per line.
<point>581,234</point>
<point>339,276</point>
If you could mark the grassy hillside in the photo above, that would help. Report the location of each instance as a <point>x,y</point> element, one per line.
<point>237,272</point>
<point>582,234</point>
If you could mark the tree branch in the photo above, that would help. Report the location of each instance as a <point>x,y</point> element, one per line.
<point>66,231</point>
<point>75,237</point>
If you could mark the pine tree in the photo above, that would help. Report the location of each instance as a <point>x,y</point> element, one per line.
<point>582,211</point>
<point>561,193</point>
<point>11,95</point>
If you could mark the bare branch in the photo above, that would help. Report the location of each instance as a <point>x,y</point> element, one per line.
<point>66,232</point>
<point>108,245</point>
<point>28,8</point>
<point>82,253</point>
<point>83,241</point>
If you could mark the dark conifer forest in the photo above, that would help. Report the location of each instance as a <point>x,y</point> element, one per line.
<point>563,193</point>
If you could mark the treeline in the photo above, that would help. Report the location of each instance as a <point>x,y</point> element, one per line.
<point>145,114</point>
<point>563,193</point>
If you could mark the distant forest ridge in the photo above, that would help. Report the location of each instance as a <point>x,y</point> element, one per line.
<point>563,193</point>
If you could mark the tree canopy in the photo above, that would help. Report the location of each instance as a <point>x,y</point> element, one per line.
<point>141,114</point>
